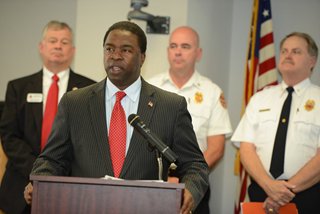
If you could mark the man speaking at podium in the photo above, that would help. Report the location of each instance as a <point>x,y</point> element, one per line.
<point>91,136</point>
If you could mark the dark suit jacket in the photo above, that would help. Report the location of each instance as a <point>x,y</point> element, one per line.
<point>79,139</point>
<point>20,130</point>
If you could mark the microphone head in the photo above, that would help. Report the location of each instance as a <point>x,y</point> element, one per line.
<point>133,118</point>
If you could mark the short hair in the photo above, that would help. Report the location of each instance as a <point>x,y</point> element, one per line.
<point>312,46</point>
<point>133,28</point>
<point>56,25</point>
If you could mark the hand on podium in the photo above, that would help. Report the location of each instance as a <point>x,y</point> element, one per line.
<point>28,193</point>
<point>187,203</point>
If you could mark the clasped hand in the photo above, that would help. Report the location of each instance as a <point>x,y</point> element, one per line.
<point>279,194</point>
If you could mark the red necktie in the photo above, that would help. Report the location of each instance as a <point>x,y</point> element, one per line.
<point>50,110</point>
<point>118,134</point>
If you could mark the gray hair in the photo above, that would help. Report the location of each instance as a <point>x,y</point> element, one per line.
<point>312,46</point>
<point>56,25</point>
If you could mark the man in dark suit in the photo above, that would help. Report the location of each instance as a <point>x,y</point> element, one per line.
<point>79,144</point>
<point>21,121</point>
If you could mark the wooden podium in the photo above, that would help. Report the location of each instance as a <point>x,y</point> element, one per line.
<point>52,194</point>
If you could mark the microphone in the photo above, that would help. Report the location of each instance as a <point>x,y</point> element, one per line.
<point>139,126</point>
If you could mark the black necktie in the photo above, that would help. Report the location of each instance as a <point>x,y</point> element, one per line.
<point>277,161</point>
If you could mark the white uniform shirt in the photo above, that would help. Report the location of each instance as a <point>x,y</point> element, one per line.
<point>260,122</point>
<point>209,117</point>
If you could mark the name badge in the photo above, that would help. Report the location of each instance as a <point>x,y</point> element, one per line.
<point>34,97</point>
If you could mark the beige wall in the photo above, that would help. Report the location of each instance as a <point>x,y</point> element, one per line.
<point>222,24</point>
<point>93,21</point>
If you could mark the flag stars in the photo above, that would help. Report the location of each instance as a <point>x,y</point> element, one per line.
<point>265,13</point>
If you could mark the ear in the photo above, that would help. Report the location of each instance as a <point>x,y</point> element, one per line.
<point>143,57</point>
<point>313,62</point>
<point>199,54</point>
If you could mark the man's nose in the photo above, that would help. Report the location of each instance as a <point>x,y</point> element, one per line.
<point>116,54</point>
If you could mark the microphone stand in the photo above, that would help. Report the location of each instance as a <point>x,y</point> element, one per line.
<point>160,165</point>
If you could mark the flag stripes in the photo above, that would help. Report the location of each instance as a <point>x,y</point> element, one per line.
<point>260,71</point>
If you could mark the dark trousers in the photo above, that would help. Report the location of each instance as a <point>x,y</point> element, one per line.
<point>307,201</point>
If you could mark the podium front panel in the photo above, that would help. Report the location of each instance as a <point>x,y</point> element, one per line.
<point>88,195</point>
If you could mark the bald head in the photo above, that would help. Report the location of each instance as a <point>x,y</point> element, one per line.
<point>186,33</point>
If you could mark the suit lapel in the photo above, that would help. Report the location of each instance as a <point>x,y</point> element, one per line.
<point>73,81</point>
<point>35,86</point>
<point>146,108</point>
<point>99,123</point>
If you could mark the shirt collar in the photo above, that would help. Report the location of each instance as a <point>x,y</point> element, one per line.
<point>302,86</point>
<point>132,92</point>
<point>193,81</point>
<point>165,78</point>
<point>62,74</point>
<point>298,88</point>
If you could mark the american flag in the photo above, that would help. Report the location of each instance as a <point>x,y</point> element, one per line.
<point>260,72</point>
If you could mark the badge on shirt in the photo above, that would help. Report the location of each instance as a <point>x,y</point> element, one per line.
<point>34,97</point>
<point>198,97</point>
<point>309,106</point>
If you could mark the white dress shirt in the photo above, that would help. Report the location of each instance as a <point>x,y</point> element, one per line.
<point>129,103</point>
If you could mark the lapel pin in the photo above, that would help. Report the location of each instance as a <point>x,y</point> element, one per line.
<point>150,104</point>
